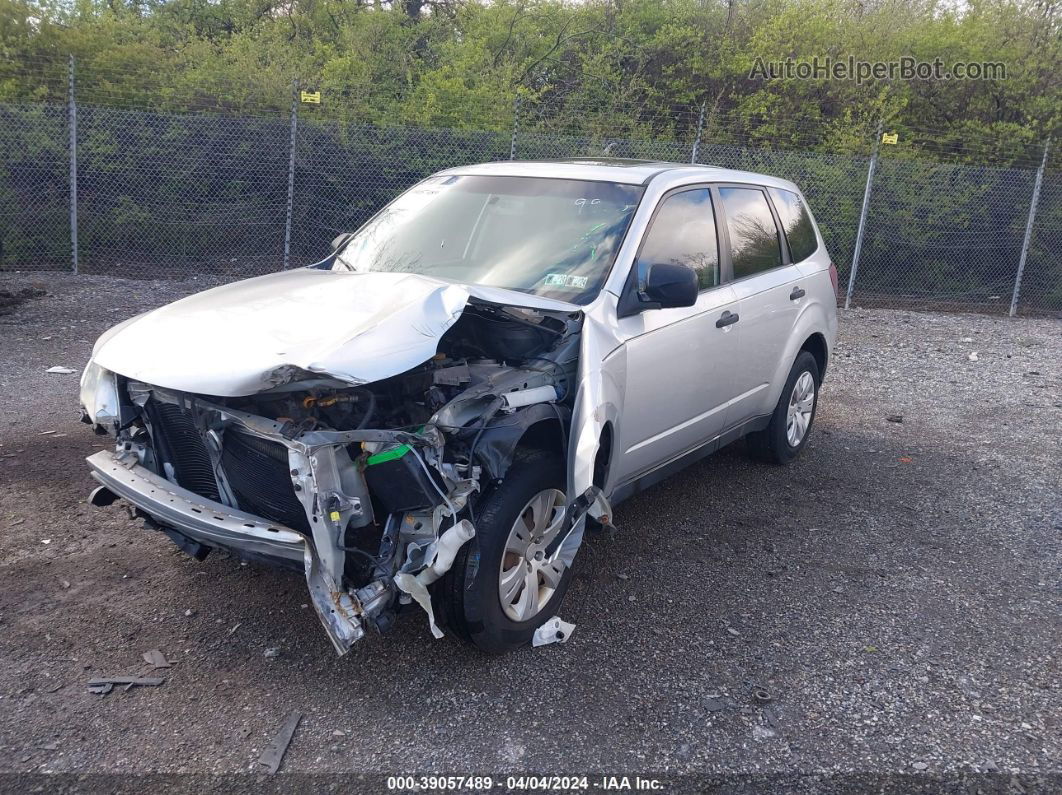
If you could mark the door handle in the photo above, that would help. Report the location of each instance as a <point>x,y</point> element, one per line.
<point>726,319</point>
<point>798,292</point>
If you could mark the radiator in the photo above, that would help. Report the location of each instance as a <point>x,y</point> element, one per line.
<point>178,443</point>
<point>259,475</point>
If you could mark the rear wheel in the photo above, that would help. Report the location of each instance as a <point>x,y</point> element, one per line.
<point>790,425</point>
<point>504,584</point>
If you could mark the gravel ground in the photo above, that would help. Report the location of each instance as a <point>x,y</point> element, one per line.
<point>895,593</point>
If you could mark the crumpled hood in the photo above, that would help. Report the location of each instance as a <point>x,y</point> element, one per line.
<point>246,337</point>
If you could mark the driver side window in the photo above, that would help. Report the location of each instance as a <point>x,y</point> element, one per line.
<point>683,233</point>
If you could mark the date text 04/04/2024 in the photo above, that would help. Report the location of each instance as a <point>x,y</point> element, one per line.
<point>543,783</point>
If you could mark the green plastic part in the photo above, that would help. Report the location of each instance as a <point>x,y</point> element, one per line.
<point>387,455</point>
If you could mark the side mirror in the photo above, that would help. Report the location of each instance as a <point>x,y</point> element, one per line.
<point>668,285</point>
<point>340,240</point>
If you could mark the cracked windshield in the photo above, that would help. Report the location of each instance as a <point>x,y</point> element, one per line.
<point>555,238</point>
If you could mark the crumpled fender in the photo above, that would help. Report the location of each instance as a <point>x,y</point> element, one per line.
<point>599,401</point>
<point>602,372</point>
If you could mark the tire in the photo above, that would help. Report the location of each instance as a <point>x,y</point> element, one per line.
<point>468,597</point>
<point>773,444</point>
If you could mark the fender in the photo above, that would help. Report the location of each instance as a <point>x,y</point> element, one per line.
<point>811,320</point>
<point>599,401</point>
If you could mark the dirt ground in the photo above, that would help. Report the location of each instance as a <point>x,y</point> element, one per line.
<point>895,593</point>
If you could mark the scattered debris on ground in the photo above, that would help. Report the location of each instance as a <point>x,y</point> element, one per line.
<point>102,685</point>
<point>156,659</point>
<point>553,631</point>
<point>761,696</point>
<point>273,755</point>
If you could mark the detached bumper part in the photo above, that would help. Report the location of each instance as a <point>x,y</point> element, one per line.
<point>215,525</point>
<point>208,522</point>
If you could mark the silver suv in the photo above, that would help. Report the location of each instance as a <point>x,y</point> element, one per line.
<point>435,412</point>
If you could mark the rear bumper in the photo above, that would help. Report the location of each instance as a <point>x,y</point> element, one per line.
<point>208,522</point>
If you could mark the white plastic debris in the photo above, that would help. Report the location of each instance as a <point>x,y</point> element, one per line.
<point>439,557</point>
<point>555,630</point>
<point>60,370</point>
<point>973,356</point>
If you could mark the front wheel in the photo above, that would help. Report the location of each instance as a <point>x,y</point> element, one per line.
<point>507,581</point>
<point>790,425</point>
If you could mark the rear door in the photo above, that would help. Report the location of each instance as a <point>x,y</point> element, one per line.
<point>767,286</point>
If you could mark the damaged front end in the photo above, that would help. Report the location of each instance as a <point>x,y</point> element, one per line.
<point>369,487</point>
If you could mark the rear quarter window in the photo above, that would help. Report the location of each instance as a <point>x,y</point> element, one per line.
<point>754,243</point>
<point>797,225</point>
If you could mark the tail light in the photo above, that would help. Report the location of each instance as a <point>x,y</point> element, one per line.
<point>833,279</point>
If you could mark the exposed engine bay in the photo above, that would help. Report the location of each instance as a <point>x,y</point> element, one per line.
<point>381,479</point>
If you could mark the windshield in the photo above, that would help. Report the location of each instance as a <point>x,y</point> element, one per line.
<point>555,238</point>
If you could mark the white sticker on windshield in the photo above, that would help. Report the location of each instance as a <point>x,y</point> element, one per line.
<point>566,280</point>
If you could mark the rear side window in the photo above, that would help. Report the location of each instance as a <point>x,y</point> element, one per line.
<point>683,233</point>
<point>754,245</point>
<point>796,223</point>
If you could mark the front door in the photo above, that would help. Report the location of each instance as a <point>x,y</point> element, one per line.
<point>678,361</point>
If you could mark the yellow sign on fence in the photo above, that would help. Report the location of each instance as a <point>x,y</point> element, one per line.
<point>313,97</point>
<point>890,138</point>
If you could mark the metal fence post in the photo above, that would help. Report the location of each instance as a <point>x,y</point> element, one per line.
<point>291,169</point>
<point>863,216</point>
<point>697,139</point>
<point>516,127</point>
<point>1029,228</point>
<point>72,126</point>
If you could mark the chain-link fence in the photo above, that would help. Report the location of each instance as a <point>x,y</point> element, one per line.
<point>35,212</point>
<point>142,193</point>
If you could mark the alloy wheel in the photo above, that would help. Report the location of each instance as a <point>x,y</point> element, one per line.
<point>801,406</point>
<point>528,578</point>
